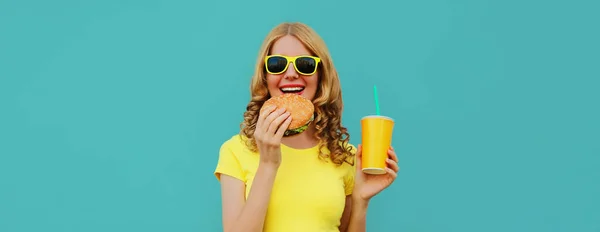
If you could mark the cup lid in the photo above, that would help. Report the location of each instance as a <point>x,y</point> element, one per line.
<point>377,116</point>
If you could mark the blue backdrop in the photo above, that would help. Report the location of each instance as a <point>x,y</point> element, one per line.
<point>112,112</point>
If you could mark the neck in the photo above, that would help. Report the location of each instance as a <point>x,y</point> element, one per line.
<point>303,140</point>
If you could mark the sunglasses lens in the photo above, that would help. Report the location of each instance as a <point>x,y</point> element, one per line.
<point>276,64</point>
<point>306,65</point>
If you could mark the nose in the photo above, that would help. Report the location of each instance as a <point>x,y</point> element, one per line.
<point>290,73</point>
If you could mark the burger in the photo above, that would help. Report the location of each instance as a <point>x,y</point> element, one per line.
<point>301,110</point>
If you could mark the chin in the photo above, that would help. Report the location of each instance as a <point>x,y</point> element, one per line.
<point>308,96</point>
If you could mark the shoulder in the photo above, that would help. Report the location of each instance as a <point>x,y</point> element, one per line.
<point>352,148</point>
<point>351,155</point>
<point>349,167</point>
<point>235,146</point>
<point>235,142</point>
<point>345,157</point>
<point>234,158</point>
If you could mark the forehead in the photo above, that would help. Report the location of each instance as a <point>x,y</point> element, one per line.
<point>289,46</point>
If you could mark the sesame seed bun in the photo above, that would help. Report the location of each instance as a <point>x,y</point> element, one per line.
<point>301,110</point>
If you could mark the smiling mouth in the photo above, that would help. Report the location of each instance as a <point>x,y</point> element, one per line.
<point>291,89</point>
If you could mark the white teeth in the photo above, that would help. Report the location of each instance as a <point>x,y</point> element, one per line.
<point>292,89</point>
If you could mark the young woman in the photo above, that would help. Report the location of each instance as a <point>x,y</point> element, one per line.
<point>308,182</point>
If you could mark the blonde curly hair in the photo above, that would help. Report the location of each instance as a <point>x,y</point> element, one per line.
<point>328,99</point>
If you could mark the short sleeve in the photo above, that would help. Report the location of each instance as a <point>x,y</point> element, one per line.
<point>228,163</point>
<point>350,173</point>
<point>349,179</point>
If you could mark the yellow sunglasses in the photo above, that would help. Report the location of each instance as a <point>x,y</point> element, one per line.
<point>278,64</point>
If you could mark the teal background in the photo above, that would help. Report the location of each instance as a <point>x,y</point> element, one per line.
<point>112,112</point>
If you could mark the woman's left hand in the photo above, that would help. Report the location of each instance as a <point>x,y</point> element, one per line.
<point>366,186</point>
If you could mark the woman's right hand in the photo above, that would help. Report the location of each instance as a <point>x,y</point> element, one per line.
<point>271,125</point>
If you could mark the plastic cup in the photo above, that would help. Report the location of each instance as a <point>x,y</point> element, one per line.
<point>376,140</point>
